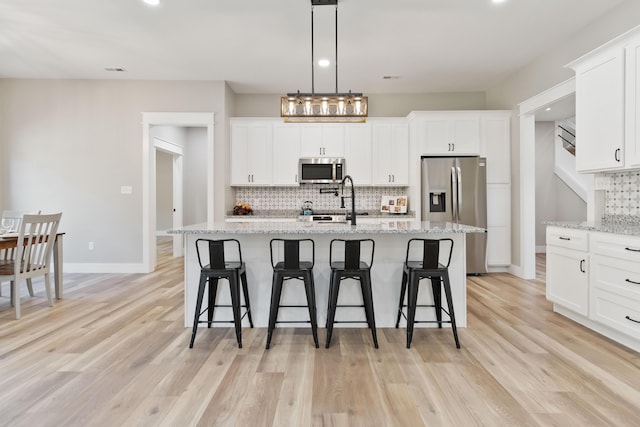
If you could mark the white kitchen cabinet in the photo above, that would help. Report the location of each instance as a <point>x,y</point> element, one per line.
<point>495,145</point>
<point>322,140</point>
<point>568,268</point>
<point>357,153</point>
<point>498,225</point>
<point>450,133</point>
<point>390,153</point>
<point>607,104</point>
<point>615,282</point>
<point>286,153</point>
<point>251,153</point>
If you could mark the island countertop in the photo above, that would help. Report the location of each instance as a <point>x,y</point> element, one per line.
<point>305,227</point>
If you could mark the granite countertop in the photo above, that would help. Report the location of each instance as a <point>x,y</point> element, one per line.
<point>303,227</point>
<point>615,224</point>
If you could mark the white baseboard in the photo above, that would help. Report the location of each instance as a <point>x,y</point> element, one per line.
<point>103,268</point>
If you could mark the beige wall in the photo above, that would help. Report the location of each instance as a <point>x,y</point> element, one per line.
<point>70,144</point>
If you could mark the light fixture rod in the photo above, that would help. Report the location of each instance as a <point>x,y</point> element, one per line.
<point>312,57</point>
<point>336,59</point>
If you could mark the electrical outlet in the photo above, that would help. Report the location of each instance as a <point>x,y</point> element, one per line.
<point>91,246</point>
<point>126,189</point>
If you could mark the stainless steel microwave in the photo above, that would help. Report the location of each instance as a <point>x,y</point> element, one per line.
<point>321,170</point>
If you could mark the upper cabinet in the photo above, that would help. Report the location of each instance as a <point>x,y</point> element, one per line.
<point>607,106</point>
<point>357,152</point>
<point>286,153</point>
<point>495,145</point>
<point>390,148</point>
<point>322,140</point>
<point>251,153</point>
<point>448,133</point>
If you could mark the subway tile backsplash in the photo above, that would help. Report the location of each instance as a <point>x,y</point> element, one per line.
<point>287,198</point>
<point>622,193</point>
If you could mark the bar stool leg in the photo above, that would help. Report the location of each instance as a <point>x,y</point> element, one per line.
<point>414,281</point>
<point>276,291</point>
<point>196,317</point>
<point>309,287</point>
<point>334,285</point>
<point>234,285</point>
<point>436,283</point>
<point>367,296</point>
<point>447,291</point>
<point>245,290</point>
<point>213,292</point>
<point>403,289</point>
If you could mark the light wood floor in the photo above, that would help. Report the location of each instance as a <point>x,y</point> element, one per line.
<point>114,353</point>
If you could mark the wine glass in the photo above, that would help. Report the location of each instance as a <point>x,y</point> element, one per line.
<point>7,224</point>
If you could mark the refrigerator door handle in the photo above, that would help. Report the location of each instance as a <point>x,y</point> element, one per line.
<point>459,192</point>
<point>454,194</point>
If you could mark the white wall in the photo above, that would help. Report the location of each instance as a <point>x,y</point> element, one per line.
<point>71,144</point>
<point>545,72</point>
<point>195,177</point>
<point>164,190</point>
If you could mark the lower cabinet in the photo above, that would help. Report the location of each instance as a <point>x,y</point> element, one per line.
<point>567,269</point>
<point>597,276</point>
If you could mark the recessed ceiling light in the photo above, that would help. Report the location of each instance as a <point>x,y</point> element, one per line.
<point>152,2</point>
<point>548,109</point>
<point>498,1</point>
<point>324,62</point>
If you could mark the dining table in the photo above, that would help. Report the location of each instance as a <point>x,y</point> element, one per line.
<point>10,241</point>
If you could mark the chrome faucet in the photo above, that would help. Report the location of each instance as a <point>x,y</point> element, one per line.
<point>352,197</point>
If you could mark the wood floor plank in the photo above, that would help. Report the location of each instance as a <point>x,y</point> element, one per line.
<point>115,350</point>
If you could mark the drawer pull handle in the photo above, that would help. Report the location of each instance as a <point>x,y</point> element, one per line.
<point>564,238</point>
<point>632,250</point>
<point>633,320</point>
<point>631,281</point>
<point>582,266</point>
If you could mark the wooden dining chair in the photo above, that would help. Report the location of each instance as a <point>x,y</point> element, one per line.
<point>34,248</point>
<point>7,256</point>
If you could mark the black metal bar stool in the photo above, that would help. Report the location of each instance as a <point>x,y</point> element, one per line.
<point>426,267</point>
<point>287,265</point>
<point>351,266</point>
<point>218,268</point>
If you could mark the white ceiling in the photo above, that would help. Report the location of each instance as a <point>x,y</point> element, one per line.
<point>264,46</point>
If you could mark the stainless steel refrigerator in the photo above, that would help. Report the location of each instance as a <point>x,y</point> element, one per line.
<point>454,189</point>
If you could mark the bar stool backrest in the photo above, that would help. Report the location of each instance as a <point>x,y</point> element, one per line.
<point>216,249</point>
<point>430,255</point>
<point>291,252</point>
<point>352,252</point>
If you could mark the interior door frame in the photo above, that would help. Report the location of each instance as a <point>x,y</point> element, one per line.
<point>177,161</point>
<point>149,256</point>
<point>528,108</point>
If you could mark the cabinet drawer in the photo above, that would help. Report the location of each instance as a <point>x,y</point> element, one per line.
<point>617,276</point>
<point>616,312</point>
<point>616,245</point>
<point>568,238</point>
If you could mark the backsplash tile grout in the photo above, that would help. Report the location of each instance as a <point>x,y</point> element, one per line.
<point>622,193</point>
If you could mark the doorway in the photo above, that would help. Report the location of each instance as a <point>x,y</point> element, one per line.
<point>169,189</point>
<point>149,220</point>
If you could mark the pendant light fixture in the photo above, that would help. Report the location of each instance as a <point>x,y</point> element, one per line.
<point>324,107</point>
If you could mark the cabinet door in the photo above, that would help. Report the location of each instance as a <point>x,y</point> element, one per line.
<point>251,154</point>
<point>260,154</point>
<point>568,278</point>
<point>495,139</point>
<point>498,225</point>
<point>390,154</point>
<point>452,134</point>
<point>600,112</point>
<point>357,152</point>
<point>286,153</point>
<point>632,106</point>
<point>322,140</point>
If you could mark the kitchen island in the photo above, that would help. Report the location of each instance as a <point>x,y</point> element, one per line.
<point>391,238</point>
